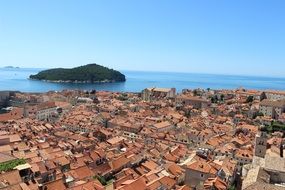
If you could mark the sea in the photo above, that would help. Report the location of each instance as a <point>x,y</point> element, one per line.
<point>17,79</point>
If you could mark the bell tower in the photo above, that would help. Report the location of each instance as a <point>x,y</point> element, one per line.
<point>260,144</point>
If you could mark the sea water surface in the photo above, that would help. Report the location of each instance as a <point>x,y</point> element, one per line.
<point>17,79</point>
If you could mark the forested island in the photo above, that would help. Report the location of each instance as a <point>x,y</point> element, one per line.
<point>91,73</point>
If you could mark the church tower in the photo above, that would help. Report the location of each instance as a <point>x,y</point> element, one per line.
<point>260,144</point>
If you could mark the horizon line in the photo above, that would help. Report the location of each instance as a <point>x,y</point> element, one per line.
<point>156,71</point>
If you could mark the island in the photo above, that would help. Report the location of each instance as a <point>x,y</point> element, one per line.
<point>11,67</point>
<point>91,73</point>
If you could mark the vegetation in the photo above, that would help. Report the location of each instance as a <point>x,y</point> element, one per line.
<point>257,114</point>
<point>7,166</point>
<point>102,180</point>
<point>215,99</point>
<point>123,97</point>
<point>89,73</point>
<point>274,126</point>
<point>222,97</point>
<point>249,99</point>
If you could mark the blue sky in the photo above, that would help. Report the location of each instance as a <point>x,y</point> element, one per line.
<point>202,36</point>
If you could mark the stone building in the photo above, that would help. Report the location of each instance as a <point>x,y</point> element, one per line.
<point>260,144</point>
<point>150,94</point>
<point>197,173</point>
<point>272,95</point>
<point>46,111</point>
<point>196,102</point>
<point>272,108</point>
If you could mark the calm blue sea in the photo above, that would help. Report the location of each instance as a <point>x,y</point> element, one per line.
<point>16,79</point>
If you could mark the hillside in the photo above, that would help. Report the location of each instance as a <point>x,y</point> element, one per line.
<point>90,73</point>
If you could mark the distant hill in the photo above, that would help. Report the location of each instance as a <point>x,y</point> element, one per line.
<point>90,73</point>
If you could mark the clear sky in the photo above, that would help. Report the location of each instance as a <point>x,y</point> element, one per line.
<point>204,36</point>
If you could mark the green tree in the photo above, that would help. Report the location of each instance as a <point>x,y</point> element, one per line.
<point>102,180</point>
<point>7,166</point>
<point>249,99</point>
<point>214,99</point>
<point>222,97</point>
<point>257,114</point>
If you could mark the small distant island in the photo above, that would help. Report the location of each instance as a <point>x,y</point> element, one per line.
<point>91,73</point>
<point>11,67</point>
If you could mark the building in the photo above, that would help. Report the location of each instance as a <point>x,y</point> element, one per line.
<point>4,96</point>
<point>282,118</point>
<point>260,144</point>
<point>265,173</point>
<point>196,102</point>
<point>215,183</point>
<point>272,95</point>
<point>243,157</point>
<point>198,172</point>
<point>150,94</point>
<point>258,178</point>
<point>102,134</point>
<point>46,111</point>
<point>15,113</point>
<point>163,126</point>
<point>272,108</point>
<point>267,170</point>
<point>131,128</point>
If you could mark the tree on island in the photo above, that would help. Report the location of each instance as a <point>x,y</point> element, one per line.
<point>89,73</point>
